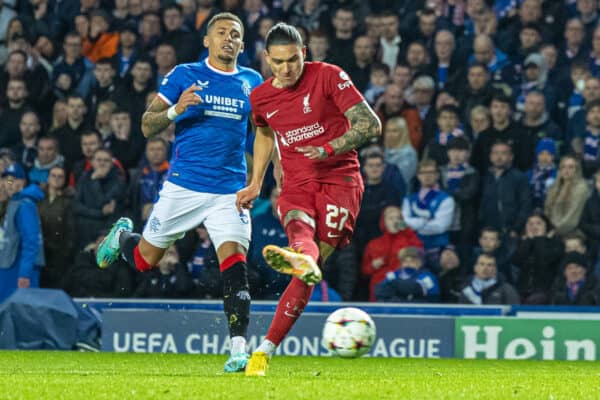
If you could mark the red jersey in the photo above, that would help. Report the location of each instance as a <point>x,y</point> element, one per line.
<point>311,113</point>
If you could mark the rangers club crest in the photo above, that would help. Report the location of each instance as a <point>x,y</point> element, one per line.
<point>246,88</point>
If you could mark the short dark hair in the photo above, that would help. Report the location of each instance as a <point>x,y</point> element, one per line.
<point>172,6</point>
<point>489,256</point>
<point>76,97</point>
<point>157,139</point>
<point>459,143</point>
<point>377,66</point>
<point>224,16</point>
<point>51,138</point>
<point>490,229</point>
<point>479,65</point>
<point>449,108</point>
<point>373,155</point>
<point>389,13</point>
<point>426,11</point>
<point>592,104</point>
<point>532,26</point>
<point>104,149</point>
<point>151,14</point>
<point>427,162</point>
<point>18,51</point>
<point>581,64</point>
<point>92,132</point>
<point>501,142</point>
<point>344,9</point>
<point>575,235</point>
<point>107,61</point>
<point>500,97</point>
<point>71,34</point>
<point>283,34</point>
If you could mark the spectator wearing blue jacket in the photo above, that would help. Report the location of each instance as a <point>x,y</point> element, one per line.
<point>412,282</point>
<point>21,244</point>
<point>429,211</point>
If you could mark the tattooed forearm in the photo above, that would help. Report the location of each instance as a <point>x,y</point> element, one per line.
<point>364,125</point>
<point>155,118</point>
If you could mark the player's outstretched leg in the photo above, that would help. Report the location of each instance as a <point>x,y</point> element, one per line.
<point>236,303</point>
<point>296,295</point>
<point>289,308</point>
<point>109,249</point>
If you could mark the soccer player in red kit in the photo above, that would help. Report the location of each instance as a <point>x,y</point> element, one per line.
<point>318,118</point>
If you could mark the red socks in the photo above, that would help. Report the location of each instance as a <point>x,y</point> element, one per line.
<point>232,260</point>
<point>295,297</point>
<point>290,307</point>
<point>140,263</point>
<point>302,238</point>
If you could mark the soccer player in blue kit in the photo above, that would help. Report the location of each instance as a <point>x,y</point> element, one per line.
<point>209,102</point>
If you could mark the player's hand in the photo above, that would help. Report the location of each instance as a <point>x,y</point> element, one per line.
<point>246,196</point>
<point>23,283</point>
<point>312,152</point>
<point>188,98</point>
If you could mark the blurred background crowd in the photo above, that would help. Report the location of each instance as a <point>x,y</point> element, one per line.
<point>483,189</point>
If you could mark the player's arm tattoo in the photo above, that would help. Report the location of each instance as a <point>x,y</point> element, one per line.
<point>155,120</point>
<point>364,125</point>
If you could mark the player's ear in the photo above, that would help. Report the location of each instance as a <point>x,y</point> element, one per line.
<point>242,47</point>
<point>205,41</point>
<point>304,52</point>
<point>266,54</point>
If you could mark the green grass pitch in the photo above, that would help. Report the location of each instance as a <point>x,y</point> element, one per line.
<point>90,376</point>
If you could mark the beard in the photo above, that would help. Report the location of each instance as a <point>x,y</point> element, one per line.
<point>226,58</point>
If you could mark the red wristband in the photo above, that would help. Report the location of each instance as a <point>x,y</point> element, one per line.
<point>329,150</point>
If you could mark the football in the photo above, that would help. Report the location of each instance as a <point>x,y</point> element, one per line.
<point>349,332</point>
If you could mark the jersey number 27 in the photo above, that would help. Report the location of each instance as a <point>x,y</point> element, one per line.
<point>336,217</point>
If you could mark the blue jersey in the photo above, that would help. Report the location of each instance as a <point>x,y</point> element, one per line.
<point>210,138</point>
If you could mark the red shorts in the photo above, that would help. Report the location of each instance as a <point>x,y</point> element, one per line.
<point>333,207</point>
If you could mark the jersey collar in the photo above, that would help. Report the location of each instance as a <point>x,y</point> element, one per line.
<point>219,71</point>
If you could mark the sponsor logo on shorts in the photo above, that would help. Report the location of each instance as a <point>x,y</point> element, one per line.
<point>155,224</point>
<point>244,218</point>
<point>333,235</point>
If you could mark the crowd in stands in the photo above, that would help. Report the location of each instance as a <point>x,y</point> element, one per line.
<point>483,189</point>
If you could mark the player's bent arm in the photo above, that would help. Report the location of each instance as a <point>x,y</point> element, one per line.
<point>155,118</point>
<point>364,125</point>
<point>264,144</point>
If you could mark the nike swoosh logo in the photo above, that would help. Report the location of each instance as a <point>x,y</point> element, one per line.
<point>332,235</point>
<point>289,314</point>
<point>270,114</point>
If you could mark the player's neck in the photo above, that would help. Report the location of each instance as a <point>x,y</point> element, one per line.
<point>221,66</point>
